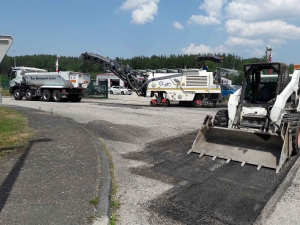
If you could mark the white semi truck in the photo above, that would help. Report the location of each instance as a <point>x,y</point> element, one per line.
<point>34,83</point>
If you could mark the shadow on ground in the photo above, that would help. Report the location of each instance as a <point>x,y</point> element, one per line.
<point>136,106</point>
<point>11,178</point>
<point>205,191</point>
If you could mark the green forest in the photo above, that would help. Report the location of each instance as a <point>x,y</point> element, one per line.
<point>230,61</point>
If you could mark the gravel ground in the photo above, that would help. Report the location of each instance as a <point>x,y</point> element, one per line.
<point>158,182</point>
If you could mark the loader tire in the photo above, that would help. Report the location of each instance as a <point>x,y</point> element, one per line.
<point>221,118</point>
<point>294,120</point>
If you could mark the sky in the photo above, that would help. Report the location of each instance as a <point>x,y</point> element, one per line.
<point>129,28</point>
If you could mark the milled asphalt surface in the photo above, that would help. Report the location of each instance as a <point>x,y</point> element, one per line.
<point>160,184</point>
<point>52,180</point>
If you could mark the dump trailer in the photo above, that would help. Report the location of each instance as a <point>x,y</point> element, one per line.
<point>34,83</point>
<point>200,88</point>
<point>261,125</point>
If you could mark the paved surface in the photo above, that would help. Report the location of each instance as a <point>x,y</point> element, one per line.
<point>53,179</point>
<point>158,182</point>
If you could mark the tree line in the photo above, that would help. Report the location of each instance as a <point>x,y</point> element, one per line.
<point>230,61</point>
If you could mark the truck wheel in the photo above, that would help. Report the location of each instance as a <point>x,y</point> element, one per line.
<point>56,96</point>
<point>28,95</point>
<point>221,118</point>
<point>17,94</point>
<point>211,104</point>
<point>46,95</point>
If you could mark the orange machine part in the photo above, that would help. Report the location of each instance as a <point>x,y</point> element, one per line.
<point>297,67</point>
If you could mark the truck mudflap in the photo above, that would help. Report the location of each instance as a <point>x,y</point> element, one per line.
<point>252,147</point>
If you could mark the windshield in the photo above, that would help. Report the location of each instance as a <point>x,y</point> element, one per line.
<point>227,87</point>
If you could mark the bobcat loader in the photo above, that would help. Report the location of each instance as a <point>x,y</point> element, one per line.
<point>261,125</point>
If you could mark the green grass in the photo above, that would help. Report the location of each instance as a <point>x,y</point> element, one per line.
<point>94,201</point>
<point>14,130</point>
<point>5,93</point>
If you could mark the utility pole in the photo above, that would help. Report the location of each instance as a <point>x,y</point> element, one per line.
<point>14,57</point>
<point>270,56</point>
<point>56,64</point>
<point>270,71</point>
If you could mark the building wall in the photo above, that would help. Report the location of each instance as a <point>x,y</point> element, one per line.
<point>113,80</point>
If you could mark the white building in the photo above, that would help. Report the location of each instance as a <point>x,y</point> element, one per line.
<point>113,80</point>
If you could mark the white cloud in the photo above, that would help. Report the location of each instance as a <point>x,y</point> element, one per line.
<point>277,41</point>
<point>276,29</point>
<point>133,4</point>
<point>232,41</point>
<point>143,10</point>
<point>178,26</point>
<point>258,10</point>
<point>257,53</point>
<point>203,49</point>
<point>203,20</point>
<point>213,7</point>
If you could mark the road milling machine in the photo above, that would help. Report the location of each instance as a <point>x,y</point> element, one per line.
<point>261,125</point>
<point>193,86</point>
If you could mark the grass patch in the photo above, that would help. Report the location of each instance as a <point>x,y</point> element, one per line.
<point>94,201</point>
<point>5,93</point>
<point>14,130</point>
<point>115,202</point>
<point>92,218</point>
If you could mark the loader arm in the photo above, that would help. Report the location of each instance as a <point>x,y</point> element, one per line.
<point>136,80</point>
<point>280,103</point>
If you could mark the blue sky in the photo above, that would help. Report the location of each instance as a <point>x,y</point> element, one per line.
<point>128,28</point>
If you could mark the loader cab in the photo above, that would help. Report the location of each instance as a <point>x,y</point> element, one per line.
<point>257,88</point>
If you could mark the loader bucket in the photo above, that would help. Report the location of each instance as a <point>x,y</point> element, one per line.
<point>256,148</point>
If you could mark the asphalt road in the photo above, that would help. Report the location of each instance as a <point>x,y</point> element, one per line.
<point>158,182</point>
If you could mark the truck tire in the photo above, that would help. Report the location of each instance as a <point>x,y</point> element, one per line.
<point>294,120</point>
<point>221,118</point>
<point>56,96</point>
<point>28,95</point>
<point>211,103</point>
<point>46,95</point>
<point>17,94</point>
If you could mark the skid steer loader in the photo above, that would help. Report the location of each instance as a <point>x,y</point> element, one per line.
<point>261,125</point>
